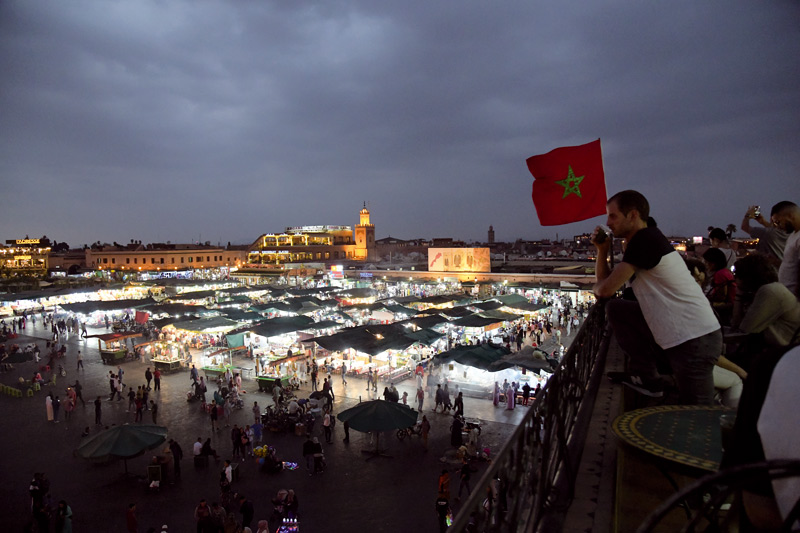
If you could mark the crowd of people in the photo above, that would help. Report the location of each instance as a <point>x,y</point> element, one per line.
<point>680,321</point>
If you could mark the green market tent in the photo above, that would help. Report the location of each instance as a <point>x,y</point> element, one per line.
<point>511,299</point>
<point>112,305</point>
<point>499,315</point>
<point>474,321</point>
<point>483,356</point>
<point>207,325</point>
<point>488,306</point>
<point>177,310</point>
<point>372,339</point>
<point>194,295</point>
<point>280,325</point>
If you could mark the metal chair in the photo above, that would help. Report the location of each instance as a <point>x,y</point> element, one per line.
<point>714,502</point>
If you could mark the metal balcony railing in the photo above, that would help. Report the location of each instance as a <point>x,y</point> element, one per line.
<point>530,483</point>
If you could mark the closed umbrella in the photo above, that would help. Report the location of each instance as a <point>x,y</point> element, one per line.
<point>378,415</point>
<point>122,442</point>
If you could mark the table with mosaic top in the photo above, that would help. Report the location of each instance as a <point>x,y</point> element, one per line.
<point>688,435</point>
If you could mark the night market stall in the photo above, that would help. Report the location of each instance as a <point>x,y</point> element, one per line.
<point>113,347</point>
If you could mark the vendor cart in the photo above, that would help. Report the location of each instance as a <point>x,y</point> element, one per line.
<point>112,346</point>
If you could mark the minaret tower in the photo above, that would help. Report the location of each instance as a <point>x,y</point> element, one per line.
<point>491,235</point>
<point>365,236</point>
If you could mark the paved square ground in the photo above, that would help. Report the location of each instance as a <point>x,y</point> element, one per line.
<point>382,494</point>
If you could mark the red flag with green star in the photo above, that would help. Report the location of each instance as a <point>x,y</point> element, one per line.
<point>569,184</point>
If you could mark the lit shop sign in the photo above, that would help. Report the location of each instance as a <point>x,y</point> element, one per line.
<point>337,271</point>
<point>23,241</point>
<point>697,240</point>
<point>459,260</point>
<point>365,274</point>
<point>22,257</point>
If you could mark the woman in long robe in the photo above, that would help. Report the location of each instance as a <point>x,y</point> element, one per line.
<point>69,406</point>
<point>48,401</point>
<point>496,394</point>
<point>510,398</point>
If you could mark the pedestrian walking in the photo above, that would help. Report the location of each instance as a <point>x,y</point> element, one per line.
<point>48,402</point>
<point>344,373</point>
<point>98,412</point>
<point>80,361</point>
<point>131,519</point>
<point>214,414</point>
<point>466,472</point>
<point>157,380</point>
<point>69,406</point>
<point>112,385</point>
<point>236,440</point>
<point>131,400</point>
<point>139,410</point>
<point>177,455</point>
<point>78,388</point>
<point>425,428</point>
<point>154,411</point>
<point>326,425</point>
<point>56,406</point>
<point>148,376</point>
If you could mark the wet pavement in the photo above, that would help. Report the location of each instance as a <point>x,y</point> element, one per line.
<point>378,495</point>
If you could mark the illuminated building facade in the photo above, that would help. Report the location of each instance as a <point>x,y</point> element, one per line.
<point>314,244</point>
<point>161,259</point>
<point>24,257</point>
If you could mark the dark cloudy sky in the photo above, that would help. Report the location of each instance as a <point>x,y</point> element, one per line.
<point>221,120</point>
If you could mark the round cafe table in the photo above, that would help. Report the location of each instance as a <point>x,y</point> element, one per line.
<point>686,435</point>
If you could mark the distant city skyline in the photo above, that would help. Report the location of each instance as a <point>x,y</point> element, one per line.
<point>219,121</point>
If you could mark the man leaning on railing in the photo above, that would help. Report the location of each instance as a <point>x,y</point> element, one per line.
<point>668,317</point>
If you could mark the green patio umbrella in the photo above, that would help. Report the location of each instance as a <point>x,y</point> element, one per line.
<point>122,442</point>
<point>378,415</point>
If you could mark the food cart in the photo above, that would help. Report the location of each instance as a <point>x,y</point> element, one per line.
<point>166,356</point>
<point>215,363</point>
<point>113,347</point>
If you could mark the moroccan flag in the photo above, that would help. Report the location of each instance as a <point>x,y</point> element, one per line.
<point>569,184</point>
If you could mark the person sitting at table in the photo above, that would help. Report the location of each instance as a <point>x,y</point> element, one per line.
<point>763,307</point>
<point>728,376</point>
<point>293,407</point>
<point>721,289</point>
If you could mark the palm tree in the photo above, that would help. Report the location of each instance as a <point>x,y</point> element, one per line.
<point>730,230</point>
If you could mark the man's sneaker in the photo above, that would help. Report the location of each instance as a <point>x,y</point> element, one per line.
<point>653,388</point>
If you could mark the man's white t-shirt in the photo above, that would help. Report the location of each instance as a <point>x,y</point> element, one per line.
<point>673,304</point>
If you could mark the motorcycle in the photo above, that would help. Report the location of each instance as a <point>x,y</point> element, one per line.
<point>416,429</point>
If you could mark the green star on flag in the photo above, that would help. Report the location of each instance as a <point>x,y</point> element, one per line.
<point>575,187</point>
<point>563,200</point>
